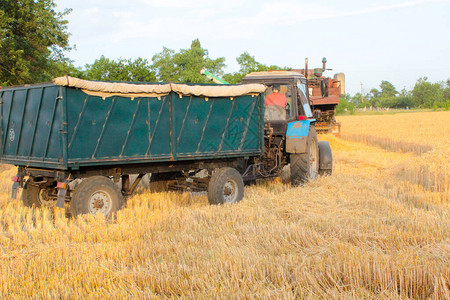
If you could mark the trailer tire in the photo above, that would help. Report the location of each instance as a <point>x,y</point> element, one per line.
<point>97,194</point>
<point>159,182</point>
<point>36,196</point>
<point>226,186</point>
<point>305,166</point>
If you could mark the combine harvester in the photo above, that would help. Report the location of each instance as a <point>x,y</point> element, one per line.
<point>324,93</point>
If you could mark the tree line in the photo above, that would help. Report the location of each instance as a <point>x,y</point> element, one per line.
<point>425,94</point>
<point>35,42</point>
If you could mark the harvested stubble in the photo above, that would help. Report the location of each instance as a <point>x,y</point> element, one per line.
<point>425,134</point>
<point>365,232</point>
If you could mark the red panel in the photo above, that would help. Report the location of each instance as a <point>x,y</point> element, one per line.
<point>317,100</point>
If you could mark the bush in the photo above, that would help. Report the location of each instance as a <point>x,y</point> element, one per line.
<point>345,106</point>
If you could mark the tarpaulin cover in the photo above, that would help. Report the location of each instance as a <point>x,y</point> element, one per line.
<point>108,89</point>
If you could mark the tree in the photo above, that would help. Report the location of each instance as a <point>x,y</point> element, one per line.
<point>120,70</point>
<point>387,89</point>
<point>34,40</point>
<point>356,99</point>
<point>374,93</point>
<point>345,105</point>
<point>428,95</point>
<point>191,61</point>
<point>387,97</point>
<point>249,64</point>
<point>164,66</point>
<point>186,65</point>
<point>447,94</point>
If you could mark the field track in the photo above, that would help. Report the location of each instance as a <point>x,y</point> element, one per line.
<point>378,228</point>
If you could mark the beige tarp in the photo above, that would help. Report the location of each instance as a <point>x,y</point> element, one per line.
<point>112,87</point>
<point>109,89</point>
<point>218,90</point>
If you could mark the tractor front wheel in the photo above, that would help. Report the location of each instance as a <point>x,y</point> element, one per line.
<point>305,166</point>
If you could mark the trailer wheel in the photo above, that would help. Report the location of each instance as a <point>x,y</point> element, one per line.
<point>37,196</point>
<point>305,166</point>
<point>159,182</point>
<point>97,194</point>
<point>226,186</point>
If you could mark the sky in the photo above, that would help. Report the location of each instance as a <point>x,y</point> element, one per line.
<point>369,41</point>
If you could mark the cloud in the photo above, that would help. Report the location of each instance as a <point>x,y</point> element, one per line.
<point>293,12</point>
<point>191,4</point>
<point>233,19</point>
<point>373,9</point>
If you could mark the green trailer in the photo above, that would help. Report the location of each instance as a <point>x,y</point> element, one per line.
<point>97,134</point>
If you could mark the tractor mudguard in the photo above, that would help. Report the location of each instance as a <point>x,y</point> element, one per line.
<point>296,136</point>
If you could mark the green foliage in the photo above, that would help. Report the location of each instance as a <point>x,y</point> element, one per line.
<point>387,89</point>
<point>427,95</point>
<point>33,39</point>
<point>403,102</point>
<point>446,93</point>
<point>164,66</point>
<point>363,104</point>
<point>388,97</point>
<point>356,99</point>
<point>345,105</point>
<point>185,66</point>
<point>67,68</point>
<point>374,93</point>
<point>447,105</point>
<point>120,70</point>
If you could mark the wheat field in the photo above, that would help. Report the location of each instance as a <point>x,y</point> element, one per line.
<point>378,228</point>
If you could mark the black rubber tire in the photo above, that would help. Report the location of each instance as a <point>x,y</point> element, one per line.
<point>325,159</point>
<point>300,163</point>
<point>81,196</point>
<point>30,195</point>
<point>216,186</point>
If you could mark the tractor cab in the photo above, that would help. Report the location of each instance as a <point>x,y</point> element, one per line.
<point>286,98</point>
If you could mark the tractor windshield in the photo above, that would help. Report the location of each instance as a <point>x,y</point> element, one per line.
<point>303,99</point>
